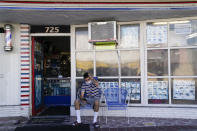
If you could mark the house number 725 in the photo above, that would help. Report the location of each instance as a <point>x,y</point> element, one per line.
<point>52,29</point>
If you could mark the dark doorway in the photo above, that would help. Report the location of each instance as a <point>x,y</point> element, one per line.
<point>51,75</point>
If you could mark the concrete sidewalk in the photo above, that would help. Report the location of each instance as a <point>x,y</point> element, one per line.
<point>10,123</point>
<point>113,123</point>
<point>142,124</point>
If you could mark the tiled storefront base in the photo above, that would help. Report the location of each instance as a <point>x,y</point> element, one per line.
<point>150,112</point>
<point>12,111</point>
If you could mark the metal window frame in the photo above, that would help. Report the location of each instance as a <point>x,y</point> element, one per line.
<point>169,77</point>
<point>143,61</point>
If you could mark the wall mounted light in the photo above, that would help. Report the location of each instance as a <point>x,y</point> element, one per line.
<point>8,37</point>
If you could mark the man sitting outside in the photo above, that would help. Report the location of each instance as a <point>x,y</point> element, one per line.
<point>90,94</point>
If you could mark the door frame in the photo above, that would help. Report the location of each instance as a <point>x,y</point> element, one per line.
<point>33,112</point>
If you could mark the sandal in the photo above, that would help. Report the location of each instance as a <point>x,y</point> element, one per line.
<point>96,125</point>
<point>76,123</point>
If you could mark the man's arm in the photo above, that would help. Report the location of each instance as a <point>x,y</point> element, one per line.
<point>82,95</point>
<point>94,81</point>
<point>82,92</point>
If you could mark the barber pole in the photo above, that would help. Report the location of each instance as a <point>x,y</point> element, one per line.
<point>8,38</point>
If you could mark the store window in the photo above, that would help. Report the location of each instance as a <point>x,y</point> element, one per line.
<point>112,64</point>
<point>181,67</point>
<point>183,40</point>
<point>183,33</point>
<point>107,83</point>
<point>158,91</point>
<point>107,63</point>
<point>157,34</point>
<point>82,39</point>
<point>84,63</point>
<point>184,91</point>
<point>183,62</point>
<point>158,62</point>
<point>170,49</point>
<point>133,87</point>
<point>130,63</point>
<point>129,36</point>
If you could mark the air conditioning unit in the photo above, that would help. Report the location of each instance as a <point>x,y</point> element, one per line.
<point>102,32</point>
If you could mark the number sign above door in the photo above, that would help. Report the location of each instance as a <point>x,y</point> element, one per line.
<point>50,29</point>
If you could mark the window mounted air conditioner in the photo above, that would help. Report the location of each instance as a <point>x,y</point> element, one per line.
<point>102,32</point>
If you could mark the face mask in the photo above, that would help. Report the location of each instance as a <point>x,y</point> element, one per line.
<point>88,82</point>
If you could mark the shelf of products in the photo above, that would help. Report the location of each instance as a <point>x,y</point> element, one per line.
<point>57,86</point>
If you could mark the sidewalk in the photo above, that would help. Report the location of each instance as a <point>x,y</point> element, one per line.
<point>144,124</point>
<point>113,123</point>
<point>10,123</point>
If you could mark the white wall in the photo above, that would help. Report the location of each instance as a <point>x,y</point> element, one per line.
<point>10,70</point>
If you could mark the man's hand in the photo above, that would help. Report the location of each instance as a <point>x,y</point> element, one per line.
<point>83,100</point>
<point>96,83</point>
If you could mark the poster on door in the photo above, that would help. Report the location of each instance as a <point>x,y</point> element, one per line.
<point>38,92</point>
<point>158,90</point>
<point>184,89</point>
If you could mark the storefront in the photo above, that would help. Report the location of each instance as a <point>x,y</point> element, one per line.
<point>154,58</point>
<point>154,61</point>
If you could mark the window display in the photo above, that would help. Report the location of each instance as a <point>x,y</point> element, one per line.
<point>134,90</point>
<point>184,89</point>
<point>158,91</point>
<point>57,87</point>
<point>129,36</point>
<point>157,35</point>
<point>107,83</point>
<point>165,63</point>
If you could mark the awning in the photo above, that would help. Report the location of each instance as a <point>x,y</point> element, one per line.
<point>66,14</point>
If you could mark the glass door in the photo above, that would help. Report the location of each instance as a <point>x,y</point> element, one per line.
<point>37,75</point>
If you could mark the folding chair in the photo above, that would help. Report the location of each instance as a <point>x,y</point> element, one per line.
<point>116,100</point>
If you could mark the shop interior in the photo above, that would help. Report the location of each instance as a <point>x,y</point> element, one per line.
<point>51,73</point>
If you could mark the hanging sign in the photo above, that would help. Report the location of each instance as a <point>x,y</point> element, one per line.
<point>50,29</point>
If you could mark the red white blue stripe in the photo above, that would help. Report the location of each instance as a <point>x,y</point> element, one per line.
<point>25,64</point>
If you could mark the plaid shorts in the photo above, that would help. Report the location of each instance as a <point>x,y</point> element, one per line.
<point>89,100</point>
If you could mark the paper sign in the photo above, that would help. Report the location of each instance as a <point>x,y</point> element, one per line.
<point>158,90</point>
<point>156,34</point>
<point>184,89</point>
